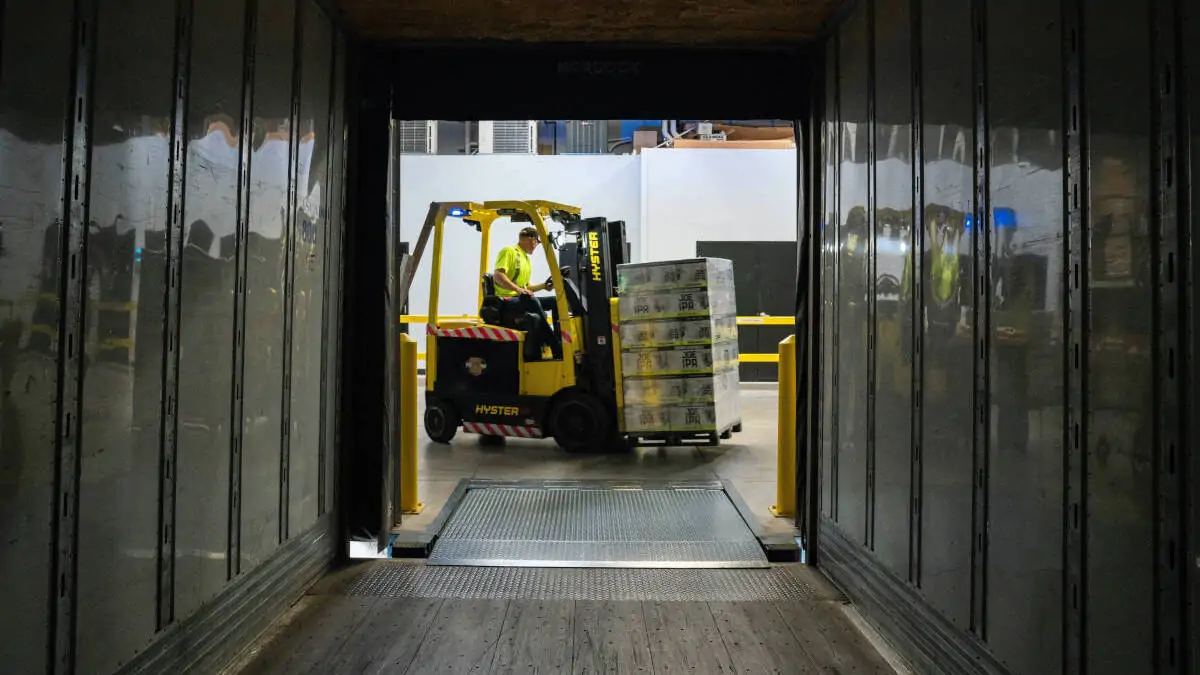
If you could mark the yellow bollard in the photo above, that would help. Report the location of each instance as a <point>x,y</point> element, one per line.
<point>785,483</point>
<point>408,426</point>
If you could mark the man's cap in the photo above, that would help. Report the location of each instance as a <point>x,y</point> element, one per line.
<point>529,232</point>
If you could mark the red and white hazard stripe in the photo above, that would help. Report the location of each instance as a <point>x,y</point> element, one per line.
<point>566,337</point>
<point>501,430</point>
<point>478,333</point>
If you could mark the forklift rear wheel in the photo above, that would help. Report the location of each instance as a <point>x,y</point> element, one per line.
<point>441,422</point>
<point>580,423</point>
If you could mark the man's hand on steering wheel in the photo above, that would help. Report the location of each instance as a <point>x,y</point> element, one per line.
<point>564,271</point>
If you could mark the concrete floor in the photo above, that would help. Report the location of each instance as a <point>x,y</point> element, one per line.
<point>748,461</point>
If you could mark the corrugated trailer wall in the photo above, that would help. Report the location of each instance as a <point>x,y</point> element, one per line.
<point>1007,457</point>
<point>170,226</point>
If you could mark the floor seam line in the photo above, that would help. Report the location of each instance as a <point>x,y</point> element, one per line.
<point>424,636</point>
<point>796,636</point>
<point>574,611</point>
<point>499,634</point>
<point>721,634</point>
<point>649,641</point>
<point>357,624</point>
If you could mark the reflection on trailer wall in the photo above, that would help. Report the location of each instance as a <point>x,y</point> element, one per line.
<point>33,108</point>
<point>1005,422</point>
<point>181,424</point>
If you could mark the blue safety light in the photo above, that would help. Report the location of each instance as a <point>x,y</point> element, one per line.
<point>458,212</point>
<point>1004,217</point>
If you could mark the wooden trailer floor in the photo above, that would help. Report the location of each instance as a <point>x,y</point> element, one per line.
<point>393,616</point>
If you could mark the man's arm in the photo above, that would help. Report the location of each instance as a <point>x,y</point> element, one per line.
<point>502,280</point>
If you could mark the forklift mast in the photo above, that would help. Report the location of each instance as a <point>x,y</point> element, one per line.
<point>599,249</point>
<point>618,249</point>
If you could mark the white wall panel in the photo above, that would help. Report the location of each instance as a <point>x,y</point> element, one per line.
<point>716,195</point>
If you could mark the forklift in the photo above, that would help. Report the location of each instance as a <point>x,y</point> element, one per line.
<point>498,375</point>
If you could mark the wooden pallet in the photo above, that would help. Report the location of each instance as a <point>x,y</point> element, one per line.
<point>677,439</point>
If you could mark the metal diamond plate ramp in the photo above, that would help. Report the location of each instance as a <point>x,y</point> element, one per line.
<point>585,527</point>
<point>412,579</point>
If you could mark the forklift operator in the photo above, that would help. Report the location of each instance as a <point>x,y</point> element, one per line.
<point>511,275</point>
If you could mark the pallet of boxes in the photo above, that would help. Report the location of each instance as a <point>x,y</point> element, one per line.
<point>679,352</point>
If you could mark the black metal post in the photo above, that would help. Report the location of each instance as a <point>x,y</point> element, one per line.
<point>981,303</point>
<point>245,150</point>
<point>1076,346</point>
<point>289,274</point>
<point>172,303</point>
<point>872,272</point>
<point>917,283</point>
<point>1169,600</point>
<point>326,235</point>
<point>72,294</point>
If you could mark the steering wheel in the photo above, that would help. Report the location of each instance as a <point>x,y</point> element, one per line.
<point>564,271</point>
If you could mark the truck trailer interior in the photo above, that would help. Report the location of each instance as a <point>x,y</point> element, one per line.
<point>977,453</point>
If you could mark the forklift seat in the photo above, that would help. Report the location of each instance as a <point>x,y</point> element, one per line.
<point>492,309</point>
<point>496,311</point>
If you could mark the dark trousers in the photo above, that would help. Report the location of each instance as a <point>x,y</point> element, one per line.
<point>524,305</point>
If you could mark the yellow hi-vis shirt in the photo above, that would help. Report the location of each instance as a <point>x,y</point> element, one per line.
<point>516,265</point>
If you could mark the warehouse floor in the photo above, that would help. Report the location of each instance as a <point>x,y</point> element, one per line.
<point>747,461</point>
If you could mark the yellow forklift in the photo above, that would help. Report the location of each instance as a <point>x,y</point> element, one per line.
<point>503,375</point>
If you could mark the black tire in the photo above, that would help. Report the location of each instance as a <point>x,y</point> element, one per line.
<point>580,423</point>
<point>441,421</point>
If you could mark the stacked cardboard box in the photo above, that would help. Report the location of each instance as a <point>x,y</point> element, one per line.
<point>679,347</point>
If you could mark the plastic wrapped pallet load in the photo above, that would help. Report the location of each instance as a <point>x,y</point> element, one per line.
<point>679,350</point>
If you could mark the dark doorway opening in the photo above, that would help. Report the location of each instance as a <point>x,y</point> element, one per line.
<point>764,278</point>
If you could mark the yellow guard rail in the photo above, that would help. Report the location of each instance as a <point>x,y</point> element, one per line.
<point>409,503</point>
<point>785,483</point>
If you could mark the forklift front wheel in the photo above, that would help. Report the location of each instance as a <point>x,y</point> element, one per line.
<point>441,421</point>
<point>580,423</point>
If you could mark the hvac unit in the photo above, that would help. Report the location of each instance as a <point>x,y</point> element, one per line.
<point>418,137</point>
<point>587,137</point>
<point>517,137</point>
